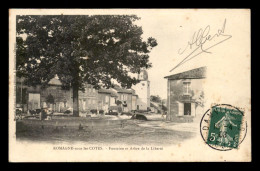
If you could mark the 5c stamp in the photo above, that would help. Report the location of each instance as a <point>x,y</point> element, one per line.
<point>223,127</point>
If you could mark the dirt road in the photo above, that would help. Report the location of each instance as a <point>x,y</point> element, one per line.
<point>125,131</point>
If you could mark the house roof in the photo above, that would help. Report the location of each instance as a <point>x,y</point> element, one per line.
<point>108,91</point>
<point>196,73</point>
<point>122,90</point>
<point>103,90</point>
<point>55,81</point>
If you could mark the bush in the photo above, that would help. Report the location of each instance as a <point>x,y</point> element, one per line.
<point>127,113</point>
<point>67,112</point>
<point>93,111</point>
<point>101,111</point>
<point>112,113</point>
<point>38,111</point>
<point>139,117</point>
<point>18,112</point>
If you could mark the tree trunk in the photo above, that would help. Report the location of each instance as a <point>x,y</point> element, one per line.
<point>75,101</point>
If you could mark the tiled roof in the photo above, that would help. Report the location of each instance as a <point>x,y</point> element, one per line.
<point>191,74</point>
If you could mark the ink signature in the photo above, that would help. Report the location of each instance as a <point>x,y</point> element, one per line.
<point>199,40</point>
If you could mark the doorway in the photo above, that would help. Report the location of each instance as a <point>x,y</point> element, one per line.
<point>187,108</point>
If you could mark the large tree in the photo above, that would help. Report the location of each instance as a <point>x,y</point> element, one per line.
<point>81,49</point>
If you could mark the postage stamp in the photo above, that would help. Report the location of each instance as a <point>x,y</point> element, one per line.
<point>223,127</point>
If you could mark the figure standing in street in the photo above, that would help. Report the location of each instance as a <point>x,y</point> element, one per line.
<point>223,124</point>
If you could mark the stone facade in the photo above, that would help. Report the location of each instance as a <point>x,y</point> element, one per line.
<point>88,100</point>
<point>53,96</point>
<point>185,95</point>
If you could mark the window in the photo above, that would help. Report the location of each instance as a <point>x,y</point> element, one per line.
<point>106,99</point>
<point>124,97</point>
<point>84,104</point>
<point>186,86</point>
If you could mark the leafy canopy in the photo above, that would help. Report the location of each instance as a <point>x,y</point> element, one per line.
<point>81,49</point>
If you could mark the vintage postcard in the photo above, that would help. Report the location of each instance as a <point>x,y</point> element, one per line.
<point>129,85</point>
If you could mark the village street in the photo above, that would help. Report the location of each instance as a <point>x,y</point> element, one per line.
<point>106,129</point>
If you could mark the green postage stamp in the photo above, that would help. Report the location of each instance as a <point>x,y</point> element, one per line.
<point>223,127</point>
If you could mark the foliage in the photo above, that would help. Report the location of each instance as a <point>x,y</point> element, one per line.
<point>81,49</point>
<point>156,99</point>
<point>200,101</point>
<point>164,108</point>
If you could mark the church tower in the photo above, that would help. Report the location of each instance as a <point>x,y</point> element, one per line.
<point>142,89</point>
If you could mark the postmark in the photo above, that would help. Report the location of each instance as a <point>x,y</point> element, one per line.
<point>223,127</point>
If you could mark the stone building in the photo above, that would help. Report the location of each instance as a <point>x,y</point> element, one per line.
<point>125,96</point>
<point>134,100</point>
<point>62,99</point>
<point>88,100</point>
<point>53,96</point>
<point>59,100</point>
<point>185,94</point>
<point>104,97</point>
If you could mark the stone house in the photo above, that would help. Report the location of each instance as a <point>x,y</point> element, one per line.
<point>53,96</point>
<point>88,100</point>
<point>134,100</point>
<point>104,96</point>
<point>125,96</point>
<point>185,94</point>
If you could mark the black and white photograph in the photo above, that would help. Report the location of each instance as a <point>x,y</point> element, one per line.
<point>129,85</point>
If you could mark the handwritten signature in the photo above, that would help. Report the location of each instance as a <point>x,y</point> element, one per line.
<point>199,39</point>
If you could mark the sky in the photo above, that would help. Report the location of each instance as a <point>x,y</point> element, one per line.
<point>173,29</point>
